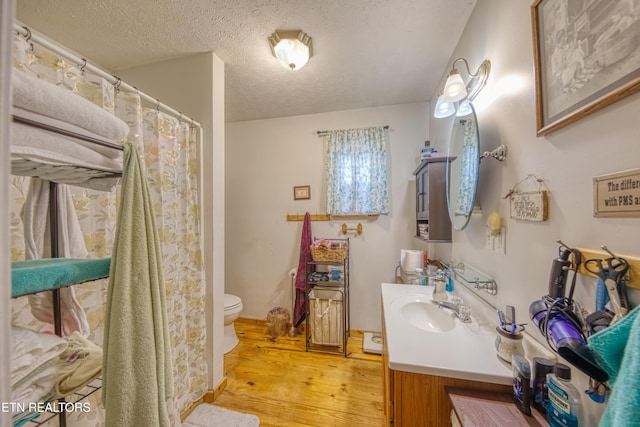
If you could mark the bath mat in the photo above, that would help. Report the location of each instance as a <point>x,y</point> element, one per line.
<point>214,416</point>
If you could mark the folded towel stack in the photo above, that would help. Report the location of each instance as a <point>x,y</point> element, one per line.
<point>46,99</point>
<point>33,367</point>
<point>63,156</point>
<point>44,367</point>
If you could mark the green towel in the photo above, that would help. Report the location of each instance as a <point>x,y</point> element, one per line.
<point>617,350</point>
<point>137,374</point>
<point>39,275</point>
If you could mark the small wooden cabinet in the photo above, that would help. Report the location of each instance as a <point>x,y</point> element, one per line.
<point>432,215</point>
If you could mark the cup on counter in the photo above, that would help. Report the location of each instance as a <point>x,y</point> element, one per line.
<point>508,344</point>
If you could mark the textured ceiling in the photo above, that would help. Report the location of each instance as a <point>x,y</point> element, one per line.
<point>367,53</point>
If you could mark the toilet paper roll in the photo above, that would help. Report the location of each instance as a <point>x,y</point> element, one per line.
<point>410,259</point>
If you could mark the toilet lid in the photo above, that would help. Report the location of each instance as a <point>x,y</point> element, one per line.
<point>231,301</point>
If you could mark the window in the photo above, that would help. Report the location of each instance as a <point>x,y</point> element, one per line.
<point>357,172</point>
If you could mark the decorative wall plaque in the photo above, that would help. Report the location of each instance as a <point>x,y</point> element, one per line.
<point>529,205</point>
<point>617,194</point>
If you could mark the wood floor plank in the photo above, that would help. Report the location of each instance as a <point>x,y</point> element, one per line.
<point>284,385</point>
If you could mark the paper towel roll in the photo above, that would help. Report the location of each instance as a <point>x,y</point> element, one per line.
<point>410,259</point>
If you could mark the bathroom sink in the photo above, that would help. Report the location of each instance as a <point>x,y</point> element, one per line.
<point>420,312</point>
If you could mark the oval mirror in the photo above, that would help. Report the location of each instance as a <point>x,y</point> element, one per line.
<point>463,166</point>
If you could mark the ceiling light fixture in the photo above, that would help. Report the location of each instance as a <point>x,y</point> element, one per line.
<point>292,48</point>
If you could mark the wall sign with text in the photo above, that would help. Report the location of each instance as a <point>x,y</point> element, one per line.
<point>617,194</point>
<point>529,206</point>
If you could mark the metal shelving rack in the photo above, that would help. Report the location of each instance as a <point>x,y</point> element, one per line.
<point>53,221</point>
<point>327,307</point>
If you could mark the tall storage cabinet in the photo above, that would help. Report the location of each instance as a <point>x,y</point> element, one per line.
<point>432,215</point>
<point>327,303</point>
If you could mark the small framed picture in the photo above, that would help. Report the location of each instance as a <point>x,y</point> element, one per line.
<point>302,192</point>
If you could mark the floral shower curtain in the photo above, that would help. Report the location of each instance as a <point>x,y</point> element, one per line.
<point>356,168</point>
<point>170,156</point>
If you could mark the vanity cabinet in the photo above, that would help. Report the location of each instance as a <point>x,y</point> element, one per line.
<point>416,400</point>
<point>432,215</point>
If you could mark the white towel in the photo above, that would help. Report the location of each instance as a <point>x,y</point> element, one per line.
<point>32,352</point>
<point>32,149</point>
<point>39,96</point>
<point>37,238</point>
<point>29,116</point>
<point>40,386</point>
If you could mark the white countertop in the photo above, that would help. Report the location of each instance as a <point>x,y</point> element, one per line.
<point>465,352</point>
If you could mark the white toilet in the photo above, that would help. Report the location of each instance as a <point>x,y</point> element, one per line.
<point>232,309</point>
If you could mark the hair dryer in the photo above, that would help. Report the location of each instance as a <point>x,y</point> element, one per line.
<point>560,325</point>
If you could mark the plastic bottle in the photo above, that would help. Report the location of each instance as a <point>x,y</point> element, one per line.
<point>449,278</point>
<point>541,368</point>
<point>563,406</point>
<point>521,383</point>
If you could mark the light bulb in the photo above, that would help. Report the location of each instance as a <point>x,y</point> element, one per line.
<point>443,108</point>
<point>454,88</point>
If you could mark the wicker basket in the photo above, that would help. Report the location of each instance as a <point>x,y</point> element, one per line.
<point>326,254</point>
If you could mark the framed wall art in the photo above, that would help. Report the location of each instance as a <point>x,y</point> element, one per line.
<point>302,192</point>
<point>586,56</point>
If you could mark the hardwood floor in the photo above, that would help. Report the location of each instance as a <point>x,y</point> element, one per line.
<point>284,385</point>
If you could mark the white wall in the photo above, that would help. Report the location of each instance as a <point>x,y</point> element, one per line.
<point>601,143</point>
<point>266,158</point>
<point>6,27</point>
<point>194,85</point>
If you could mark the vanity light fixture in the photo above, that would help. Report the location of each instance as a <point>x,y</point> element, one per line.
<point>443,108</point>
<point>464,108</point>
<point>292,48</point>
<point>455,89</point>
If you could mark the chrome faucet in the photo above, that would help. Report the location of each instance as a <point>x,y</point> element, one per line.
<point>455,309</point>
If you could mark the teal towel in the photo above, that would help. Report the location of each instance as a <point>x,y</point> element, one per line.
<point>137,374</point>
<point>617,350</point>
<point>28,277</point>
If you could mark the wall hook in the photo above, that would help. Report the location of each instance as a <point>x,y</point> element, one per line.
<point>562,245</point>
<point>83,66</point>
<point>117,84</point>
<point>607,250</point>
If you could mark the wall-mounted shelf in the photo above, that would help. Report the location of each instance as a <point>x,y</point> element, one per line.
<point>314,217</point>
<point>471,277</point>
<point>327,217</point>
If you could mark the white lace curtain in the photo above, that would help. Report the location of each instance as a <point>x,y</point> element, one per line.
<point>356,170</point>
<point>170,151</point>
